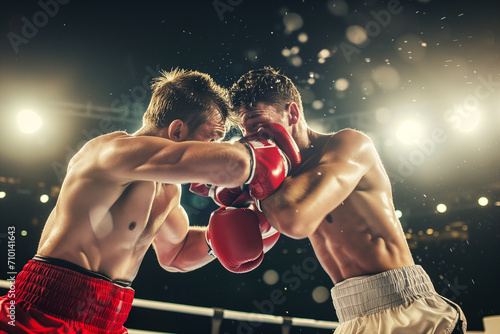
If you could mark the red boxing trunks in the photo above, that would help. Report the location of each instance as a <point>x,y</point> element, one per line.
<point>52,299</point>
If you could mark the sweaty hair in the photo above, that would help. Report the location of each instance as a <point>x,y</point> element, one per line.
<point>189,96</point>
<point>264,85</point>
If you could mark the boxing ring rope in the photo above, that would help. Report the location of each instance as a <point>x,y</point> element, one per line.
<point>218,314</point>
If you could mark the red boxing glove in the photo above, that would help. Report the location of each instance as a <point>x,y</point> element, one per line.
<point>222,196</point>
<point>284,140</point>
<point>274,155</point>
<point>235,238</point>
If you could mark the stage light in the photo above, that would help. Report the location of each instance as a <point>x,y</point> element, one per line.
<point>44,198</point>
<point>483,201</point>
<point>356,34</point>
<point>441,208</point>
<point>292,22</point>
<point>303,37</point>
<point>29,121</point>
<point>286,52</point>
<point>3,194</point>
<point>296,61</point>
<point>320,294</point>
<point>429,231</point>
<point>338,7</point>
<point>325,53</point>
<point>270,277</point>
<point>399,214</point>
<point>341,84</point>
<point>409,132</point>
<point>318,104</point>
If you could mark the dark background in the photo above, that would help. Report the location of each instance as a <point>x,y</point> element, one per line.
<point>85,67</point>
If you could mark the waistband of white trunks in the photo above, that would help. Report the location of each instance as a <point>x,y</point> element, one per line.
<point>361,296</point>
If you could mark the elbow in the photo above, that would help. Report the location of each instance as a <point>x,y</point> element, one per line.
<point>172,267</point>
<point>171,264</point>
<point>293,223</point>
<point>176,270</point>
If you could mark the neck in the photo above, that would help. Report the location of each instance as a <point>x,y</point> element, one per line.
<point>146,131</point>
<point>304,136</point>
<point>308,141</point>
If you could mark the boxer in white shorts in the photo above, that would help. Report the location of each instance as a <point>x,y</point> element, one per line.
<point>341,199</point>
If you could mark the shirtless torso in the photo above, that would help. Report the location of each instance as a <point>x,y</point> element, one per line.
<point>111,209</point>
<point>340,198</point>
<point>362,235</point>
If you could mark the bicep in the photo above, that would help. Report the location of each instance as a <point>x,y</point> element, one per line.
<point>174,229</point>
<point>171,236</point>
<point>181,248</point>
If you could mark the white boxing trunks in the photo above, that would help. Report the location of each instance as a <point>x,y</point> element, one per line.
<point>399,301</point>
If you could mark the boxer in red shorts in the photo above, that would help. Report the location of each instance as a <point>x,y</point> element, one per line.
<point>121,194</point>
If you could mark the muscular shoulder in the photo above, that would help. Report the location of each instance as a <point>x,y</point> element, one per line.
<point>88,155</point>
<point>358,148</point>
<point>108,140</point>
<point>350,142</point>
<point>101,141</point>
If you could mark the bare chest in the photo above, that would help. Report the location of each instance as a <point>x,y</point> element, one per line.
<point>143,207</point>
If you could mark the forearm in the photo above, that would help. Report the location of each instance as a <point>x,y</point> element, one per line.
<point>301,203</point>
<point>193,254</point>
<point>230,165</point>
<point>221,164</point>
<point>286,208</point>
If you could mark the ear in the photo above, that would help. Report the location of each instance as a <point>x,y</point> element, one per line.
<point>293,113</point>
<point>177,131</point>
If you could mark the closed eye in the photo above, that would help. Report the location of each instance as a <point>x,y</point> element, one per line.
<point>217,136</point>
<point>251,116</point>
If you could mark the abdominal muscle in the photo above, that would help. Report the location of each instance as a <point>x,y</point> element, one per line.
<point>360,238</point>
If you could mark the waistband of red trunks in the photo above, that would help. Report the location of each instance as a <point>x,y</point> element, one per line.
<point>73,296</point>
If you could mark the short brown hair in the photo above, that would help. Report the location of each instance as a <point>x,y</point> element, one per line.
<point>264,85</point>
<point>186,95</point>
